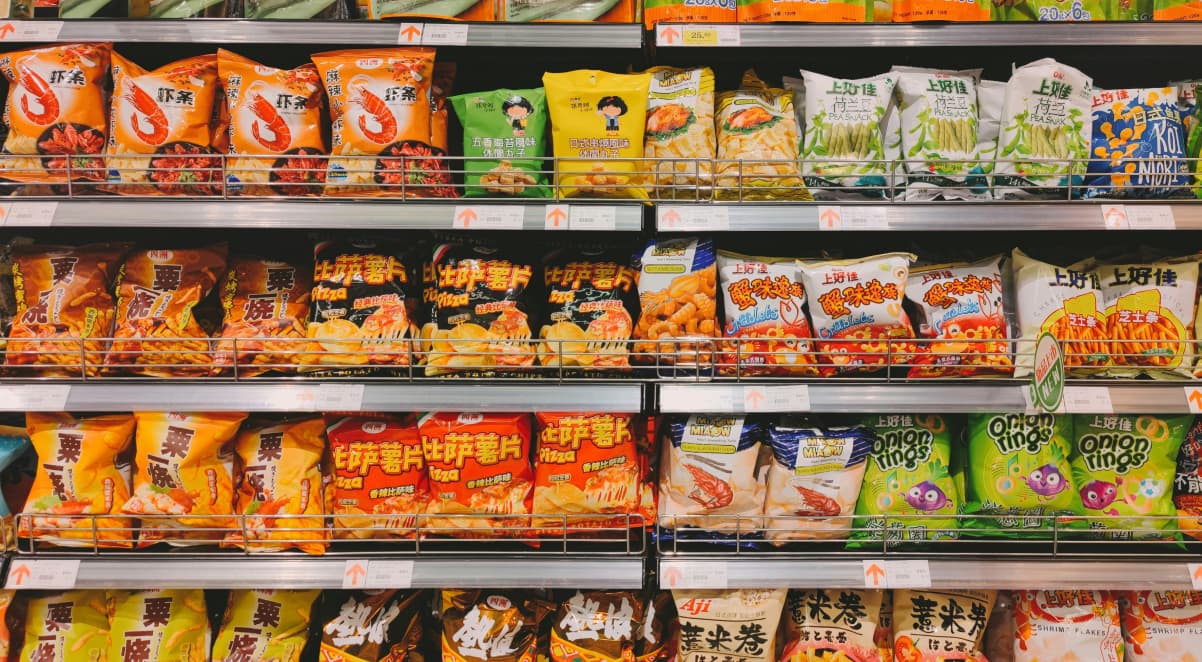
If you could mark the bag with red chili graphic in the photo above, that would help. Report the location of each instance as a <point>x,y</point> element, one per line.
<point>1065,625</point>
<point>921,635</point>
<point>1162,625</point>
<point>960,309</point>
<point>380,482</point>
<point>587,464</point>
<point>765,317</point>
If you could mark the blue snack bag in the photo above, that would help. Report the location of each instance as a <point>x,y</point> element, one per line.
<point>14,441</point>
<point>1137,146</point>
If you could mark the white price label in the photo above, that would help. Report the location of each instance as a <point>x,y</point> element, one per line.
<point>1087,400</point>
<point>339,397</point>
<point>709,398</point>
<point>791,398</point>
<point>592,217</point>
<point>692,218</point>
<point>694,574</point>
<point>410,34</point>
<point>1114,217</point>
<point>30,30</point>
<point>28,214</point>
<point>853,217</point>
<point>698,35</point>
<point>389,574</point>
<point>445,34</point>
<point>489,217</point>
<point>56,574</point>
<point>908,574</point>
<point>1193,397</point>
<point>555,217</point>
<point>1150,217</point>
<point>35,397</point>
<point>1195,575</point>
<point>354,574</point>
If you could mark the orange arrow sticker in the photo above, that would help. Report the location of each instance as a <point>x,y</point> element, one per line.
<point>668,35</point>
<point>20,571</point>
<point>1195,575</point>
<point>56,574</point>
<point>353,574</point>
<point>672,574</point>
<point>556,217</point>
<point>1193,396</point>
<point>411,33</point>
<point>874,574</point>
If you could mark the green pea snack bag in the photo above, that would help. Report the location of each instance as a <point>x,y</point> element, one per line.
<point>1018,470</point>
<point>909,474</point>
<point>843,150</point>
<point>939,128</point>
<point>506,133</point>
<point>1057,11</point>
<point>1125,467</point>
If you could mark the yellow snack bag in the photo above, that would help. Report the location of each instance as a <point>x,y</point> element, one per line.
<point>598,121</point>
<point>72,625</point>
<point>758,144</point>
<point>157,626</point>
<point>264,625</point>
<point>680,129</point>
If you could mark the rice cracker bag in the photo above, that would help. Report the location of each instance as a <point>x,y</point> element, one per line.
<point>766,327</point>
<point>758,144</point>
<point>159,626</point>
<point>1065,625</point>
<point>1146,303</point>
<point>824,625</point>
<point>1161,625</point>
<point>261,624</point>
<point>1066,302</point>
<point>380,483</point>
<point>935,626</point>
<point>960,309</point>
<point>67,625</point>
<point>714,622</point>
<point>680,130</point>
<point>586,464</point>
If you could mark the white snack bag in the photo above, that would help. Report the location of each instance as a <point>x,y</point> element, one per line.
<point>712,466</point>
<point>711,623</point>
<point>844,122</point>
<point>1067,625</point>
<point>1162,625</point>
<point>991,94</point>
<point>939,132</point>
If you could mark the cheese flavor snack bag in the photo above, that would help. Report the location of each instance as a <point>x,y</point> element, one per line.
<point>758,144</point>
<point>589,316</point>
<point>1066,302</point>
<point>680,130</point>
<point>599,626</point>
<point>939,132</point>
<point>705,615</point>
<point>1161,625</point>
<point>505,140</point>
<point>598,121</point>
<point>765,317</point>
<point>678,296</point>
<point>66,625</point>
<point>831,625</point>
<point>165,625</point>
<point>1146,303</point>
<point>586,464</point>
<point>958,636</point>
<point>262,624</point>
<point>713,466</point>
<point>1067,625</point>
<point>1138,145</point>
<point>845,143</point>
<point>266,304</point>
<point>960,307</point>
<point>380,483</point>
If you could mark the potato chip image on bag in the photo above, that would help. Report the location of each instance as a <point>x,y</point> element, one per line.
<point>505,140</point>
<point>67,625</point>
<point>712,474</point>
<point>159,626</point>
<point>266,304</point>
<point>680,130</point>
<point>589,316</point>
<point>380,484</point>
<point>758,144</point>
<point>261,624</point>
<point>586,464</point>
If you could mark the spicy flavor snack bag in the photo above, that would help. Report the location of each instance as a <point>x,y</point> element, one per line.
<point>713,474</point>
<point>592,300</point>
<point>766,322</point>
<point>266,304</point>
<point>758,144</point>
<point>1138,146</point>
<point>845,142</point>
<point>63,625</point>
<point>505,140</point>
<point>587,464</point>
<point>919,637</point>
<point>1161,625</point>
<point>602,626</point>
<point>1065,625</point>
<point>372,625</point>
<point>380,482</point>
<point>678,296</point>
<point>1187,486</point>
<point>499,626</point>
<point>166,625</point>
<point>263,624</point>
<point>939,114</point>
<point>824,625</point>
<point>680,129</point>
<point>1146,303</point>
<point>960,307</point>
<point>1066,302</point>
<point>704,616</point>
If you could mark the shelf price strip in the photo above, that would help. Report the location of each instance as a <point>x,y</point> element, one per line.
<point>698,35</point>
<point>41,574</point>
<point>1138,217</point>
<point>28,214</point>
<point>360,574</point>
<point>852,217</point>
<point>30,30</point>
<point>34,397</point>
<point>488,217</point>
<point>580,217</point>
<point>897,574</point>
<point>692,218</point>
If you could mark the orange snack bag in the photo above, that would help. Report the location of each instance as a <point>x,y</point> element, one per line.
<point>83,469</point>
<point>681,11</point>
<point>379,477</point>
<point>478,464</point>
<point>56,106</point>
<point>281,488</point>
<point>185,467</point>
<point>168,114</point>
<point>778,11</point>
<point>587,464</point>
<point>266,305</point>
<point>905,11</point>
<point>276,112</point>
<point>156,293</point>
<point>62,295</point>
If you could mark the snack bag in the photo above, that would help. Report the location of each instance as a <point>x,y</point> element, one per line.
<point>680,129</point>
<point>275,113</point>
<point>380,483</point>
<point>790,11</point>
<point>479,464</point>
<point>372,625</point>
<point>1187,105</point>
<point>678,296</point>
<point>960,308</point>
<point>765,317</point>
<point>1066,302</point>
<point>83,469</point>
<point>939,114</point>
<point>1187,487</point>
<point>599,626</point>
<point>463,10</point>
<point>587,464</point>
<point>814,480</point>
<point>62,300</point>
<point>266,304</point>
<point>262,624</point>
<point>826,625</point>
<point>165,625</point>
<point>758,144</point>
<point>957,635</point>
<point>681,11</point>
<point>1054,11</point>
<point>1146,303</point>
<point>500,626</point>
<point>1138,145</point>
<point>1177,10</point>
<point>1126,466</point>
<point>657,639</point>
<point>713,474</point>
<point>578,11</point>
<point>991,94</point>
<point>597,124</point>
<point>56,113</point>
<point>281,487</point>
<point>908,11</point>
<point>884,630</point>
<point>1045,131</point>
<point>1161,625</point>
<point>14,445</point>
<point>1130,10</point>
<point>65,625</point>
<point>859,314</point>
<point>1019,476</point>
<point>845,143</point>
<point>591,303</point>
<point>909,474</point>
<point>705,616</point>
<point>1065,625</point>
<point>505,140</point>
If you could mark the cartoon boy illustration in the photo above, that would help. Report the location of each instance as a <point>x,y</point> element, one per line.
<point>517,109</point>
<point>612,108</point>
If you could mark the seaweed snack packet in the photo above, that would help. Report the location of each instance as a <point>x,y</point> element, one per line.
<point>479,464</point>
<point>831,625</point>
<point>1019,476</point>
<point>598,121</point>
<point>932,626</point>
<point>680,130</point>
<point>281,487</point>
<point>56,113</point>
<point>859,314</point>
<point>600,626</point>
<point>791,11</point>
<point>939,122</point>
<point>758,144</point>
<point>1126,466</point>
<point>844,147</point>
<point>1146,303</point>
<point>713,474</point>
<point>765,317</point>
<point>83,469</point>
<point>157,331</point>
<point>1138,145</point>
<point>266,304</point>
<point>1066,625</point>
<point>591,303</point>
<point>587,464</point>
<point>908,474</point>
<point>960,309</point>
<point>262,624</point>
<point>717,622</point>
<point>358,320</point>
<point>380,483</point>
<point>505,142</point>
<point>159,626</point>
<point>63,300</point>
<point>678,299</point>
<point>498,626</point>
<point>1177,10</point>
<point>1045,131</point>
<point>1161,625</point>
<point>1187,486</point>
<point>681,11</point>
<point>660,632</point>
<point>275,113</point>
<point>908,11</point>
<point>372,625</point>
<point>1066,302</point>
<point>64,625</point>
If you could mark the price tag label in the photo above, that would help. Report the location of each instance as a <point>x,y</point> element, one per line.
<point>711,35</point>
<point>1114,217</point>
<point>1087,400</point>
<point>489,217</point>
<point>695,574</point>
<point>1193,397</point>
<point>592,217</point>
<point>339,397</point>
<point>389,574</point>
<point>1150,217</point>
<point>30,30</point>
<point>709,398</point>
<point>410,34</point>
<point>692,218</point>
<point>29,214</point>
<point>35,397</point>
<point>354,574</point>
<point>1195,575</point>
<point>555,217</point>
<point>56,574</point>
<point>791,398</point>
<point>445,34</point>
<point>852,217</point>
<point>908,574</point>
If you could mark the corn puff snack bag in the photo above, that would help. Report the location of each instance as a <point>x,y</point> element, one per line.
<point>496,626</point>
<point>765,317</point>
<point>262,624</point>
<point>706,616</point>
<point>157,333</point>
<point>959,307</point>
<point>680,129</point>
<point>1177,10</point>
<point>280,495</point>
<point>598,121</point>
<point>1138,145</point>
<point>62,300</point>
<point>914,11</point>
<point>679,11</point>
<point>859,315</point>
<point>505,140</point>
<point>1146,303</point>
<point>712,474</point>
<point>826,625</point>
<point>1161,625</point>
<point>678,296</point>
<point>844,146</point>
<point>791,11</point>
<point>758,144</point>
<point>600,626</point>
<point>275,113</point>
<point>56,113</point>
<point>939,132</point>
<point>67,625</point>
<point>957,637</point>
<point>83,469</point>
<point>1066,302</point>
<point>266,304</point>
<point>591,304</point>
<point>372,625</point>
<point>1065,625</point>
<point>380,483</point>
<point>159,626</point>
<point>586,464</point>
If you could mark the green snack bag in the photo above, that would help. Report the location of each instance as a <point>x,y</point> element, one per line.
<point>909,473</point>
<point>1054,11</point>
<point>1126,466</point>
<point>508,128</point>
<point>1131,10</point>
<point>1018,470</point>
